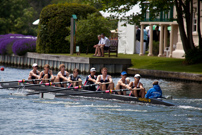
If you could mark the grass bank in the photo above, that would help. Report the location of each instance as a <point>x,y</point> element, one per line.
<point>154,63</point>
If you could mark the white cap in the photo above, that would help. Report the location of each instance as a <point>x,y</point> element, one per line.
<point>127,78</point>
<point>137,76</point>
<point>34,65</point>
<point>92,69</point>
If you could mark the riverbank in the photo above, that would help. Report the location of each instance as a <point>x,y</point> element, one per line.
<point>156,67</point>
<point>153,63</point>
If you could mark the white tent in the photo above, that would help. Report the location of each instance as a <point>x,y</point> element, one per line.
<point>127,38</point>
<point>36,22</point>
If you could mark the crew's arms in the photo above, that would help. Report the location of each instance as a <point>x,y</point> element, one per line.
<point>40,75</point>
<point>110,79</point>
<point>141,86</point>
<point>61,76</point>
<point>124,85</point>
<point>91,79</point>
<point>98,79</point>
<point>51,74</point>
<point>31,73</point>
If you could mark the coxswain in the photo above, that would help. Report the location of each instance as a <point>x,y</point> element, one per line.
<point>34,74</point>
<point>46,75</point>
<point>91,79</point>
<point>105,80</point>
<point>62,76</point>
<point>123,83</point>
<point>137,84</point>
<point>75,79</point>
<point>154,92</point>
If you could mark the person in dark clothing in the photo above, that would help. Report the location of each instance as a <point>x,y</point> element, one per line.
<point>91,79</point>
<point>138,33</point>
<point>154,92</point>
<point>156,34</point>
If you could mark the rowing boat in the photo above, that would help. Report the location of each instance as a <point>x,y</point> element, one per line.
<point>69,92</point>
<point>72,92</point>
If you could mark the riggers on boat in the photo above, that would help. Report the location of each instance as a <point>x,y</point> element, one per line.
<point>75,91</point>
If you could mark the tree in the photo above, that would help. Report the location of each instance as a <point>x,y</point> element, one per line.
<point>15,16</point>
<point>88,29</point>
<point>184,10</point>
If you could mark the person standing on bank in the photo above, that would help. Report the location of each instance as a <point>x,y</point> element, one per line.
<point>105,43</point>
<point>34,74</point>
<point>154,92</point>
<point>156,34</point>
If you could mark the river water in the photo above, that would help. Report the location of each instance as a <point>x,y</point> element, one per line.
<point>20,115</point>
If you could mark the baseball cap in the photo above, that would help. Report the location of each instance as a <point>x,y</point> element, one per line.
<point>137,76</point>
<point>92,69</point>
<point>34,65</point>
<point>123,73</point>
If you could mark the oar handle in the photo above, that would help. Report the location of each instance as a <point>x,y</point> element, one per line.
<point>23,80</point>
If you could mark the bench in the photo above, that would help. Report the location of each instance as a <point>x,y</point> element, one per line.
<point>112,49</point>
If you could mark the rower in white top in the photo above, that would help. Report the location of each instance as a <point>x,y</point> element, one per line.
<point>34,74</point>
<point>123,83</point>
<point>105,80</point>
<point>137,84</point>
<point>62,76</point>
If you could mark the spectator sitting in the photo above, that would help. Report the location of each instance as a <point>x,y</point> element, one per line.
<point>105,43</point>
<point>97,47</point>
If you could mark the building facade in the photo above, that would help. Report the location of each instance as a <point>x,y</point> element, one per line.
<point>164,21</point>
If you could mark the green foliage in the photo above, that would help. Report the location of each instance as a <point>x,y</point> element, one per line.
<point>88,29</point>
<point>193,56</point>
<point>53,22</point>
<point>123,6</point>
<point>155,48</point>
<point>16,16</point>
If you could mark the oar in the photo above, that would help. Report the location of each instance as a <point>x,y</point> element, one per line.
<point>61,89</point>
<point>106,91</point>
<point>46,84</point>
<point>23,80</point>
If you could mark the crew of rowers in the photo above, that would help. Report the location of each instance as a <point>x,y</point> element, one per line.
<point>104,81</point>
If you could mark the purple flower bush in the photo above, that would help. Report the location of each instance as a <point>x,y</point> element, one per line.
<point>22,44</point>
<point>21,47</point>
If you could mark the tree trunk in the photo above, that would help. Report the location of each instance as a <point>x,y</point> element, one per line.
<point>199,25</point>
<point>189,22</point>
<point>180,21</point>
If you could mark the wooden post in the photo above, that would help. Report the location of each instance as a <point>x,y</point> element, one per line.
<point>72,37</point>
<point>151,41</point>
<point>141,40</point>
<point>161,42</point>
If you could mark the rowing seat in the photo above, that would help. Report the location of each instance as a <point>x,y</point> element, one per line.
<point>113,48</point>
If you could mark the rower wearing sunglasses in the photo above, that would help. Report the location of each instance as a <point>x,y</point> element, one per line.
<point>34,74</point>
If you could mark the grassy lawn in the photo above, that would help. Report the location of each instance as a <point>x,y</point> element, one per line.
<point>154,63</point>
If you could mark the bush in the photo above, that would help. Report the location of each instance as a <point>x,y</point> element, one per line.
<point>52,28</point>
<point>86,35</point>
<point>155,48</point>
<point>21,47</point>
<point>7,42</point>
<point>193,56</point>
